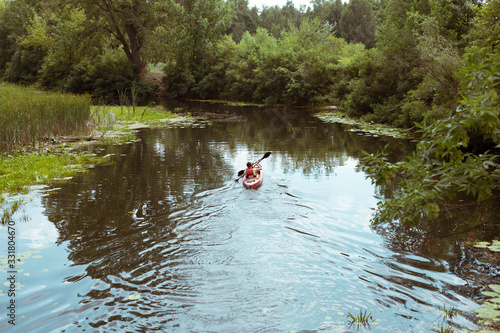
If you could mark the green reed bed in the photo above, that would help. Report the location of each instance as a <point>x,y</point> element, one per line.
<point>28,116</point>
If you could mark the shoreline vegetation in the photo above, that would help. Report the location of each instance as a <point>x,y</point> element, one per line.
<point>41,134</point>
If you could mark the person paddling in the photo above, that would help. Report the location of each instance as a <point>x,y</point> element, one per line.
<point>251,172</point>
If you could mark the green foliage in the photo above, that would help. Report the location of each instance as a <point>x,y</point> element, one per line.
<point>459,155</point>
<point>299,68</point>
<point>202,24</point>
<point>28,116</point>
<point>243,19</point>
<point>329,11</point>
<point>357,23</point>
<point>103,76</point>
<point>367,82</point>
<point>364,319</point>
<point>18,63</point>
<point>22,170</point>
<point>485,35</point>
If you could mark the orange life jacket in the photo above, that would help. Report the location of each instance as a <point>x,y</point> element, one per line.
<point>250,172</point>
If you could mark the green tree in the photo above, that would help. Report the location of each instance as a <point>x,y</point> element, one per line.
<point>459,156</point>
<point>277,19</point>
<point>485,35</point>
<point>243,19</point>
<point>357,24</point>
<point>202,24</point>
<point>18,63</point>
<point>129,23</point>
<point>329,11</point>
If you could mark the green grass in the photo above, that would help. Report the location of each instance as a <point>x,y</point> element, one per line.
<point>442,329</point>
<point>29,116</point>
<point>106,116</point>
<point>20,171</point>
<point>364,319</point>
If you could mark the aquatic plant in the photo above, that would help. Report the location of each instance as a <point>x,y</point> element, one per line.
<point>19,171</point>
<point>489,313</point>
<point>364,319</point>
<point>494,245</point>
<point>29,116</point>
<point>108,115</point>
<point>449,313</point>
<point>443,329</point>
<point>8,209</point>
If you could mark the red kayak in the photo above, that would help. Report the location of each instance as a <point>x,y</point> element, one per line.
<point>253,182</point>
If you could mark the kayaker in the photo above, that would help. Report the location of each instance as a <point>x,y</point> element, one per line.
<point>251,172</point>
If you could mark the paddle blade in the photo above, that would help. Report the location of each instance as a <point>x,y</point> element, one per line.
<point>266,155</point>
<point>240,173</point>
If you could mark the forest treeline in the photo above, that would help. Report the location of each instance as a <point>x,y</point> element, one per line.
<point>392,61</point>
<point>433,65</point>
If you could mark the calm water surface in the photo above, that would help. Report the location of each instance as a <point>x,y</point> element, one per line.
<point>165,240</point>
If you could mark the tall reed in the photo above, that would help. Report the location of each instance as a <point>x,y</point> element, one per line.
<point>28,116</point>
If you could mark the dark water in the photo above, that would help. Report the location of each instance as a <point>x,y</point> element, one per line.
<point>165,240</point>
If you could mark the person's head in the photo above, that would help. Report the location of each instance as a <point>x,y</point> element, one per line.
<point>249,164</point>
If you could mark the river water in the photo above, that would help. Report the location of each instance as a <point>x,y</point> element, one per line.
<point>165,239</point>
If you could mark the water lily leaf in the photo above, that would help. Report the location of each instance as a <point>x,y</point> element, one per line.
<point>488,313</point>
<point>134,297</point>
<point>495,288</point>
<point>489,293</point>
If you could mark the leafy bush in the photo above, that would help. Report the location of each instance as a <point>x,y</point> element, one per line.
<point>457,156</point>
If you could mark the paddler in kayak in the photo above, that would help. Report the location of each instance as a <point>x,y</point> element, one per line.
<point>251,172</point>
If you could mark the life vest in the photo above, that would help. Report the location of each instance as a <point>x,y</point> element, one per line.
<point>250,172</point>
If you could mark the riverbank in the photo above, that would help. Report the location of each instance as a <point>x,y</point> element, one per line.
<point>331,114</point>
<point>59,158</point>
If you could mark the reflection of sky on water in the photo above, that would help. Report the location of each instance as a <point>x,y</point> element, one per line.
<point>39,231</point>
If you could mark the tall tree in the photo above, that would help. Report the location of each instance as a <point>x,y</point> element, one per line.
<point>129,22</point>
<point>328,10</point>
<point>358,23</point>
<point>243,19</point>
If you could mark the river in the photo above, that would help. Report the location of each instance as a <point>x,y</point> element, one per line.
<point>165,239</point>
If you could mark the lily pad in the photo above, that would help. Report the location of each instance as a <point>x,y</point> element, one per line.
<point>492,246</point>
<point>134,297</point>
<point>490,309</point>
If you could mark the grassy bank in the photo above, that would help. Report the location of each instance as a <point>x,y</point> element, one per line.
<point>110,117</point>
<point>19,171</point>
<point>38,129</point>
<point>29,116</point>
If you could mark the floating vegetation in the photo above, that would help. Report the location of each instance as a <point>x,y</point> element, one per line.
<point>489,313</point>
<point>494,245</point>
<point>134,297</point>
<point>359,125</point>
<point>364,319</point>
<point>20,171</point>
<point>115,121</point>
